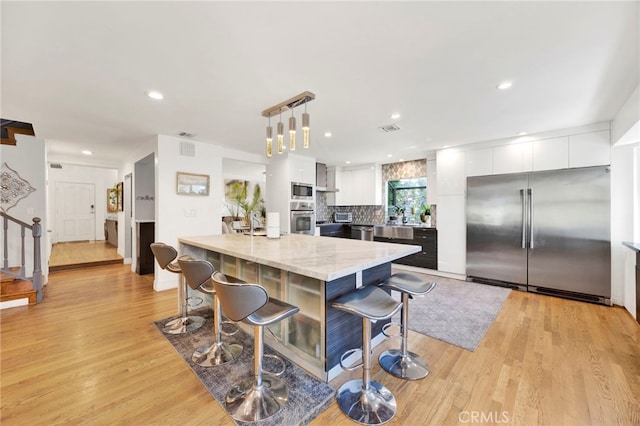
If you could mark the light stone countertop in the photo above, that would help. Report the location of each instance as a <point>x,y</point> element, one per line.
<point>323,258</point>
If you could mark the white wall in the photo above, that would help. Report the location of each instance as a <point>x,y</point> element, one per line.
<point>625,127</point>
<point>101,178</point>
<point>185,215</point>
<point>622,218</point>
<point>28,158</point>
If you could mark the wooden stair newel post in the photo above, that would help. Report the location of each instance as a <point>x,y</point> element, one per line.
<point>37,261</point>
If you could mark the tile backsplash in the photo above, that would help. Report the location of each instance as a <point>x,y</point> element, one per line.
<point>370,215</point>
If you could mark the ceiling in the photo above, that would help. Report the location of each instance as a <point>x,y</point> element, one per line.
<point>79,71</point>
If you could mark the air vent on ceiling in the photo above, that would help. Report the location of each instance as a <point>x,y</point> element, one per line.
<point>187,135</point>
<point>55,165</point>
<point>389,128</point>
<point>187,149</point>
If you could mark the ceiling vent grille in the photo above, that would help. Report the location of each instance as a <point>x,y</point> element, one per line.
<point>55,165</point>
<point>187,135</point>
<point>389,128</point>
<point>187,149</point>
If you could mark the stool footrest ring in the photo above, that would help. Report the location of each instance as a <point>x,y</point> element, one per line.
<point>347,354</point>
<point>277,373</point>
<point>197,301</point>
<point>234,327</point>
<point>391,324</point>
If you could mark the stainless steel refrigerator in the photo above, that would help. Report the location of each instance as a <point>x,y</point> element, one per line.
<point>546,232</point>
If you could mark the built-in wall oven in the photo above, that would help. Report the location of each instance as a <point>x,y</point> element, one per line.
<point>301,191</point>
<point>303,218</point>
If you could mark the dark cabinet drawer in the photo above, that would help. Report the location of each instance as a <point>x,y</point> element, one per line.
<point>427,238</point>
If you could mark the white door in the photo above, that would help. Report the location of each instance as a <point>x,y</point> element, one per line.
<point>75,211</point>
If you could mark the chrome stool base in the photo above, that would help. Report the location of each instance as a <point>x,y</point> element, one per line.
<point>216,353</point>
<point>410,366</point>
<point>374,406</point>
<point>249,403</point>
<point>183,325</point>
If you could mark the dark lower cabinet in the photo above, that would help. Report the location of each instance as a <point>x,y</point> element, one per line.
<point>340,230</point>
<point>427,238</point>
<point>145,234</point>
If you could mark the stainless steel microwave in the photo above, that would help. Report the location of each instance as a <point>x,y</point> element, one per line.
<point>301,191</point>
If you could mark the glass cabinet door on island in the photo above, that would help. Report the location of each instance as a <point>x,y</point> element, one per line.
<point>305,328</point>
<point>303,333</point>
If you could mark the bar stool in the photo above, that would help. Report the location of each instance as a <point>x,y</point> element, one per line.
<point>261,396</point>
<point>364,400</point>
<point>402,363</point>
<point>166,257</point>
<point>197,274</point>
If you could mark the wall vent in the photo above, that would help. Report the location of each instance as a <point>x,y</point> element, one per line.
<point>187,149</point>
<point>389,128</point>
<point>55,165</point>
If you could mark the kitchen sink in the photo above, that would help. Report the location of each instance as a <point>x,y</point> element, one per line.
<point>393,231</point>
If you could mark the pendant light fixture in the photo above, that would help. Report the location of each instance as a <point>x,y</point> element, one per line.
<point>289,104</point>
<point>280,135</point>
<point>269,139</point>
<point>292,132</point>
<point>305,127</point>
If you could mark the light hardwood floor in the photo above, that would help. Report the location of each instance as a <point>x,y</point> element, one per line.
<point>90,355</point>
<point>82,252</point>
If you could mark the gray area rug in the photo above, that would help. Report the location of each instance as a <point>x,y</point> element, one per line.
<point>455,312</point>
<point>308,396</point>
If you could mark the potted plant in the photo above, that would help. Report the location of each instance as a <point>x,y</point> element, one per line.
<point>425,211</point>
<point>240,205</point>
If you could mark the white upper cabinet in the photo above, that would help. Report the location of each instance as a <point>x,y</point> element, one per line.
<point>551,154</point>
<point>302,169</point>
<point>590,149</point>
<point>479,162</point>
<point>512,158</point>
<point>358,186</point>
<point>450,164</point>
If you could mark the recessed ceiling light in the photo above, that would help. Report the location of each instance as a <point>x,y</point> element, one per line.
<point>504,85</point>
<point>87,152</point>
<point>327,134</point>
<point>154,94</point>
<point>347,162</point>
<point>400,160</point>
<point>522,133</point>
<point>395,116</point>
<point>445,146</point>
<point>389,155</point>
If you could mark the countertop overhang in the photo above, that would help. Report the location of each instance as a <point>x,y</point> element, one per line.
<point>632,245</point>
<point>323,258</point>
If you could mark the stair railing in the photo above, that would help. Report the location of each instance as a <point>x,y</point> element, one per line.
<point>36,231</point>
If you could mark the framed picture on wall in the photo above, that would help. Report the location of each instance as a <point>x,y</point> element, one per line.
<point>112,200</point>
<point>192,184</point>
<point>119,190</point>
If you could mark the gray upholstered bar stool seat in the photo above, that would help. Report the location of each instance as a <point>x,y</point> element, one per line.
<point>402,363</point>
<point>253,398</point>
<point>364,400</point>
<point>197,274</point>
<point>166,257</point>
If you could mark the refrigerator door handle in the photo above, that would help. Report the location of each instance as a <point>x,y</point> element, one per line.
<point>524,218</point>
<point>530,218</point>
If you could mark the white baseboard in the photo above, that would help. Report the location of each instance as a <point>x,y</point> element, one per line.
<point>127,261</point>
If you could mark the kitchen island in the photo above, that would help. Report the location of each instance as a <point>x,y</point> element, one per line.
<point>308,272</point>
